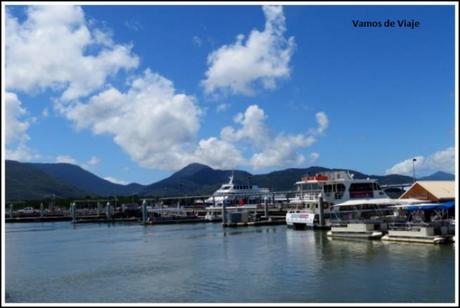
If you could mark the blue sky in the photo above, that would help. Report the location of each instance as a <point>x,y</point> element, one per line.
<point>134,93</point>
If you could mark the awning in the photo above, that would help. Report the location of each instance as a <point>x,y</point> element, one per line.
<point>429,206</point>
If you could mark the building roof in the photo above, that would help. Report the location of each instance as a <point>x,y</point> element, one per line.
<point>439,189</point>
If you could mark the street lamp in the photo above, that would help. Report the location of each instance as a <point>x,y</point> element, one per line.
<point>413,167</point>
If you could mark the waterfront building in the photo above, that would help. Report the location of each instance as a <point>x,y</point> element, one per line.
<point>433,191</point>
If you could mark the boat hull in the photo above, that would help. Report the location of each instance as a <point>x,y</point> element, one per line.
<point>366,235</point>
<point>418,239</point>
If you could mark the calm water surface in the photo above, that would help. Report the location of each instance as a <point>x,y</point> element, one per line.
<point>61,262</point>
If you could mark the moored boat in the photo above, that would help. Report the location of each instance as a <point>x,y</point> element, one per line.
<point>317,194</point>
<point>424,223</point>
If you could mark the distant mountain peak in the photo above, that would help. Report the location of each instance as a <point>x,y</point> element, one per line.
<point>439,176</point>
<point>191,169</point>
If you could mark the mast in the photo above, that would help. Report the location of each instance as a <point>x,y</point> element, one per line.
<point>231,177</point>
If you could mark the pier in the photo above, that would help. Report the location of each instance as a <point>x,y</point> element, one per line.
<point>235,214</point>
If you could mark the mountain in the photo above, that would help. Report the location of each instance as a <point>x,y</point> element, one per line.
<point>79,177</point>
<point>26,183</point>
<point>439,176</point>
<point>32,180</point>
<point>39,180</point>
<point>194,179</point>
<point>197,179</point>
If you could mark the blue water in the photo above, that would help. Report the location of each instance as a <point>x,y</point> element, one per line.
<point>61,262</point>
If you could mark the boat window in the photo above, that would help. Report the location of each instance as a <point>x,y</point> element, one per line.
<point>361,186</point>
<point>361,190</point>
<point>225,187</point>
<point>340,188</point>
<point>327,188</point>
<point>310,186</point>
<point>376,186</point>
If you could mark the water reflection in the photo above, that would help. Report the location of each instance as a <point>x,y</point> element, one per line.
<point>208,263</point>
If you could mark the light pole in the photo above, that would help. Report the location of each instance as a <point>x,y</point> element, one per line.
<point>413,167</point>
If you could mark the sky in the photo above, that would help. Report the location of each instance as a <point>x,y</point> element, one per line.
<point>135,93</point>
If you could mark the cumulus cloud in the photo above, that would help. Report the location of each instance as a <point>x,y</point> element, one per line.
<point>443,160</point>
<point>150,121</point>
<point>260,59</point>
<point>218,154</point>
<point>16,125</point>
<point>252,128</point>
<point>54,48</point>
<point>66,159</point>
<point>270,149</point>
<point>282,151</point>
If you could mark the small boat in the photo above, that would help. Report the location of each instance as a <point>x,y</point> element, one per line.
<point>160,214</point>
<point>355,230</point>
<point>362,218</point>
<point>212,216</point>
<point>424,223</point>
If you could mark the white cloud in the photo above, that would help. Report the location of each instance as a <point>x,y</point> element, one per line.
<point>443,160</point>
<point>66,159</point>
<point>314,157</point>
<point>252,128</point>
<point>151,122</point>
<point>222,107</point>
<point>323,122</point>
<point>93,161</point>
<point>218,154</point>
<point>270,149</point>
<point>15,128</point>
<point>53,48</point>
<point>114,180</point>
<point>261,59</point>
<point>21,153</point>
<point>282,151</point>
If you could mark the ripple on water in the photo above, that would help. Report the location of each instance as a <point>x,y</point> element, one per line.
<point>207,263</point>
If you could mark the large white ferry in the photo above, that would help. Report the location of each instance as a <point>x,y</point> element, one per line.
<point>236,194</point>
<point>333,187</point>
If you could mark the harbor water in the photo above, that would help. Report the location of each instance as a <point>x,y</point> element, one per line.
<point>60,262</point>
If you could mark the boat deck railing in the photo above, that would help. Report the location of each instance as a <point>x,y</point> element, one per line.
<point>411,225</point>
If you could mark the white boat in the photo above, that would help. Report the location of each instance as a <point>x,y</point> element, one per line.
<point>212,216</point>
<point>236,194</point>
<point>363,218</point>
<point>425,223</point>
<point>159,213</point>
<point>332,187</point>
